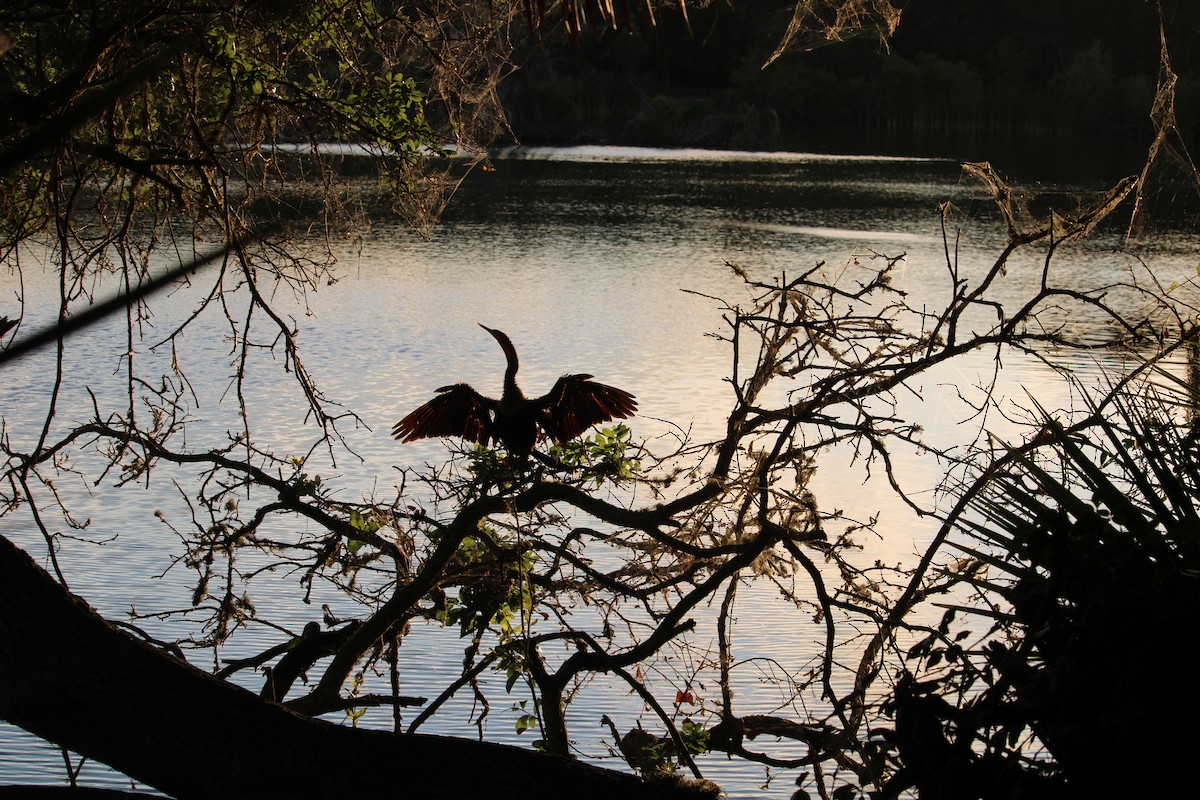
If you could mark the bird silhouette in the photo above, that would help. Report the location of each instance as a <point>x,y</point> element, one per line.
<point>573,405</point>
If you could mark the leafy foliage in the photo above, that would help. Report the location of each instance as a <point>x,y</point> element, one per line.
<point>216,89</point>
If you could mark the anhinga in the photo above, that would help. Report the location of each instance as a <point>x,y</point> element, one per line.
<point>575,404</point>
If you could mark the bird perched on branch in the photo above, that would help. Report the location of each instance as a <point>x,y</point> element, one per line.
<point>575,404</point>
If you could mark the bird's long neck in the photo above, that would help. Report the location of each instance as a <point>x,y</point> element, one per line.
<point>511,390</point>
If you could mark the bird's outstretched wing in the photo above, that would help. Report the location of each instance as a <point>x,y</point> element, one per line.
<point>458,410</point>
<point>577,403</point>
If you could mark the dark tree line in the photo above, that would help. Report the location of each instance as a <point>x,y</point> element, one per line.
<point>1086,68</point>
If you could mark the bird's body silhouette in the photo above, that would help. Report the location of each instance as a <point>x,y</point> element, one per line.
<point>573,405</point>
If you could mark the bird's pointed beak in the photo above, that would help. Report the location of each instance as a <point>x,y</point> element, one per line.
<point>504,342</point>
<point>496,334</point>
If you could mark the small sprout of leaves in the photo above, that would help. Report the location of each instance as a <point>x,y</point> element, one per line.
<point>525,720</point>
<point>302,482</point>
<point>694,736</point>
<point>355,714</point>
<point>360,523</point>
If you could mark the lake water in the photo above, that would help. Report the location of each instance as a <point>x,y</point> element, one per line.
<point>582,256</point>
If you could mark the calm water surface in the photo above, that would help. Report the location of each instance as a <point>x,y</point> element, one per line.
<point>581,256</point>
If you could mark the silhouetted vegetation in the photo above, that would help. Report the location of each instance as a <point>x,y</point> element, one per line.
<point>965,68</point>
<point>1081,552</point>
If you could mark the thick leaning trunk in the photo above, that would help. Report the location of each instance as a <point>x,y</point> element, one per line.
<point>70,678</point>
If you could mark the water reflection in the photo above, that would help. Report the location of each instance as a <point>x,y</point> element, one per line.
<point>582,257</point>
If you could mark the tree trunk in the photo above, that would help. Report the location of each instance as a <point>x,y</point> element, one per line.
<point>70,678</point>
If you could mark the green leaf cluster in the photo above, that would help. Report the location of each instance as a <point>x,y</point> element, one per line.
<point>526,720</point>
<point>492,594</point>
<point>303,484</point>
<point>360,523</point>
<point>489,467</point>
<point>600,457</point>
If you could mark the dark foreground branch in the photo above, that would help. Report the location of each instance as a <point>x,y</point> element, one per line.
<point>183,732</point>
